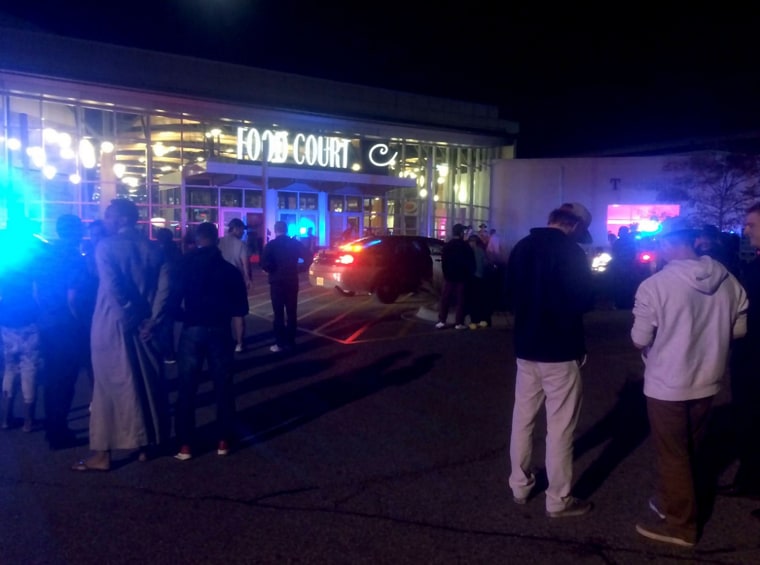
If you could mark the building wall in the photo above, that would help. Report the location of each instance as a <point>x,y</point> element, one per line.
<point>524,191</point>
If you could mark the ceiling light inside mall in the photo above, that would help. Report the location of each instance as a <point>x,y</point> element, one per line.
<point>159,149</point>
<point>463,195</point>
<point>64,139</point>
<point>49,171</point>
<point>423,193</point>
<point>421,180</point>
<point>74,178</point>
<point>119,169</point>
<point>37,155</point>
<point>356,167</point>
<point>443,169</point>
<point>13,144</point>
<point>435,198</point>
<point>216,132</point>
<point>131,181</point>
<point>441,180</point>
<point>87,153</point>
<point>166,168</point>
<point>107,147</point>
<point>67,153</point>
<point>49,135</point>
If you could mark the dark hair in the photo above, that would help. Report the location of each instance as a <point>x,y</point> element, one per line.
<point>126,209</point>
<point>563,217</point>
<point>207,232</point>
<point>69,226</point>
<point>164,235</point>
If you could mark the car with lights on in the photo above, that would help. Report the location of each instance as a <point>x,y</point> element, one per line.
<point>386,266</point>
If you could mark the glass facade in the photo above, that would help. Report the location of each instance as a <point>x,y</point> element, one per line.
<point>64,155</point>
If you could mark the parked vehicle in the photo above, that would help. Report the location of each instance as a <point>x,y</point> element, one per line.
<point>386,266</point>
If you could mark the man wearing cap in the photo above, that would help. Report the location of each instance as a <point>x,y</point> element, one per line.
<point>234,251</point>
<point>684,319</point>
<point>458,266</point>
<point>548,290</point>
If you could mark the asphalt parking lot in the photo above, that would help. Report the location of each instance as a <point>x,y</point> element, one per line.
<point>388,448</point>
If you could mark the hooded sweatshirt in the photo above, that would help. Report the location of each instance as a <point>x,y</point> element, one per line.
<point>687,315</point>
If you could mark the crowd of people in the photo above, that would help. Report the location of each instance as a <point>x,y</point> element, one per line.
<point>110,313</point>
<point>690,318</point>
<point>119,307</point>
<point>473,268</point>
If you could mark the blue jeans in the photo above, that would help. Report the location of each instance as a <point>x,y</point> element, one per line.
<point>216,346</point>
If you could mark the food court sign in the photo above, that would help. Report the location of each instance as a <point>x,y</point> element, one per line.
<point>279,146</point>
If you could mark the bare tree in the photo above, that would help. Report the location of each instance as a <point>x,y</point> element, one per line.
<point>717,187</point>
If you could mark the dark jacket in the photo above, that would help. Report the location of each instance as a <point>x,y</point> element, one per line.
<point>280,259</point>
<point>457,260</point>
<point>549,287</point>
<point>210,290</point>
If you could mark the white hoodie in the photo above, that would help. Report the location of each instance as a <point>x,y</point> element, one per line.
<point>685,316</point>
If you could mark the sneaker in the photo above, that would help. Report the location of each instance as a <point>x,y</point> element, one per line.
<point>440,326</point>
<point>659,532</point>
<point>575,507</point>
<point>276,349</point>
<point>653,507</point>
<point>473,326</point>
<point>184,453</point>
<point>460,327</point>
<point>483,324</point>
<point>223,448</point>
<point>238,348</point>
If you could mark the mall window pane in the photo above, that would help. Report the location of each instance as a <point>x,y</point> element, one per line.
<point>198,215</point>
<point>202,196</point>
<point>91,212</point>
<point>166,194</point>
<point>166,143</point>
<point>336,203</point>
<point>193,146</point>
<point>308,201</point>
<point>232,197</point>
<point>287,200</point>
<point>125,168</point>
<point>253,199</point>
<point>353,203</point>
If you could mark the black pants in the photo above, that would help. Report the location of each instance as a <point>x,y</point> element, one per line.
<point>284,296</point>
<point>215,346</point>
<point>63,347</point>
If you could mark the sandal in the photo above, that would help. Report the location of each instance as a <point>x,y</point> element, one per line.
<point>82,466</point>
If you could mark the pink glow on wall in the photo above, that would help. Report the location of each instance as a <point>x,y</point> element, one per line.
<point>638,215</point>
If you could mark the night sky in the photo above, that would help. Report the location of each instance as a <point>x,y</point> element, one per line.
<point>579,80</point>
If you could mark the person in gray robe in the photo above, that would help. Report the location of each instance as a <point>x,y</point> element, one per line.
<point>129,408</point>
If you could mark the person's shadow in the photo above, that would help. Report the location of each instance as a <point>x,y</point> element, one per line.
<point>624,427</point>
<point>282,414</point>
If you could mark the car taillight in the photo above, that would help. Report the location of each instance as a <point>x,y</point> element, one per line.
<point>346,259</point>
<point>646,257</point>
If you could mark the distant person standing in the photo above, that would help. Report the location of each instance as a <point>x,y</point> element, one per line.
<point>64,322</point>
<point>548,290</point>
<point>129,407</point>
<point>210,292</point>
<point>235,251</point>
<point>283,259</point>
<point>458,266</point>
<point>20,273</point>
<point>745,378</point>
<point>171,256</point>
<point>684,318</point>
